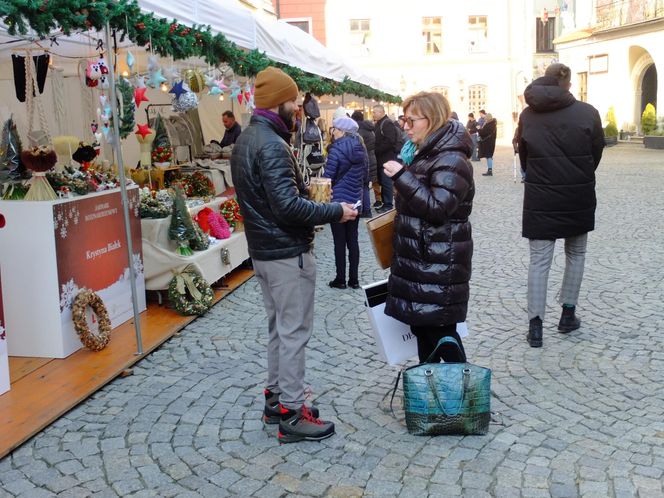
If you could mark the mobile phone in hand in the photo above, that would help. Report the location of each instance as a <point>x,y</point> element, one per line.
<point>357,205</point>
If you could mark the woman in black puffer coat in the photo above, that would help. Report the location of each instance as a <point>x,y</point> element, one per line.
<point>433,245</point>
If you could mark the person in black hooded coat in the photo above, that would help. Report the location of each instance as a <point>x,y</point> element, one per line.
<point>560,145</point>
<point>433,245</point>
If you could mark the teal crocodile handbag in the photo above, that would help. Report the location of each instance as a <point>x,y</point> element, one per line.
<point>447,398</point>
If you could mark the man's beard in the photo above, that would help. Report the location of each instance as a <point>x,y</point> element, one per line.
<point>286,116</point>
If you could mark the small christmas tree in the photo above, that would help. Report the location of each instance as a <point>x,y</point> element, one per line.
<point>182,227</point>
<point>648,120</point>
<point>611,129</point>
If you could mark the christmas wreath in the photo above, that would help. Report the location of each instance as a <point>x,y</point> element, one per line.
<point>91,341</point>
<point>189,293</point>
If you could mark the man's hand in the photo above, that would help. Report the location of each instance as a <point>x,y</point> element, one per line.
<point>349,213</point>
<point>391,168</point>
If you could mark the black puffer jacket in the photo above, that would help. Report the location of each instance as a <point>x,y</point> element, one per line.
<point>487,144</point>
<point>560,146</point>
<point>433,244</point>
<point>279,219</point>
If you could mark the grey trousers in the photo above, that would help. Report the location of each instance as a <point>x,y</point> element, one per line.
<point>541,255</point>
<point>288,294</point>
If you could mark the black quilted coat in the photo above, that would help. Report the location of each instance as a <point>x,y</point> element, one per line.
<point>279,219</point>
<point>560,146</point>
<point>433,244</point>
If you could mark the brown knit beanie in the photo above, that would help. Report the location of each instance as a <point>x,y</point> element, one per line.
<point>273,87</point>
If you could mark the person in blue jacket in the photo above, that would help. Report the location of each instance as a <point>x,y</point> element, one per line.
<point>348,167</point>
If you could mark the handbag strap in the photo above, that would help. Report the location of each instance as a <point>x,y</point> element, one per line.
<point>394,391</point>
<point>434,390</point>
<point>445,340</point>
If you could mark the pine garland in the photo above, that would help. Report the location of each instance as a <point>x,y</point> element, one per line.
<point>169,38</point>
<point>127,122</point>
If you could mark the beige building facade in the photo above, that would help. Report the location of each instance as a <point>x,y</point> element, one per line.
<point>616,50</point>
<point>480,54</point>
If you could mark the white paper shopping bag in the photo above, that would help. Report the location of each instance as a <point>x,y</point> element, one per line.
<point>396,344</point>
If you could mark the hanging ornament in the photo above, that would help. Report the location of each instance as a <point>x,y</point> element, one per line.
<point>94,127</point>
<point>194,78</point>
<point>143,130</point>
<point>92,75</point>
<point>186,102</point>
<point>178,89</point>
<point>153,64</point>
<point>215,90</point>
<point>240,96</point>
<point>210,82</point>
<point>220,84</point>
<point>156,79</point>
<point>139,81</point>
<point>104,82</point>
<point>139,96</point>
<point>130,61</point>
<point>102,100</point>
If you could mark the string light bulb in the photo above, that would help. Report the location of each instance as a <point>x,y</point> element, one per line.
<point>221,98</point>
<point>125,73</point>
<point>163,87</point>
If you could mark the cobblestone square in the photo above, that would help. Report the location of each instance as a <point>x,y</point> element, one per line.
<point>582,416</point>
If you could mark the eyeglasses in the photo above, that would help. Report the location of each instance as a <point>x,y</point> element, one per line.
<point>410,121</point>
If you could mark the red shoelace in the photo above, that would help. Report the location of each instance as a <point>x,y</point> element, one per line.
<point>306,413</point>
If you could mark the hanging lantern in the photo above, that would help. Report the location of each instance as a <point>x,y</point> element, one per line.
<point>195,79</point>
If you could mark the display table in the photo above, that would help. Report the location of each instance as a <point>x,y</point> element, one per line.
<point>161,258</point>
<point>53,249</point>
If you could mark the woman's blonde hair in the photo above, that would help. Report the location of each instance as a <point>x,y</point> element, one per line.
<point>431,105</point>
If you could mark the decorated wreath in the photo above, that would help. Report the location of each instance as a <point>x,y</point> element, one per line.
<point>91,341</point>
<point>230,210</point>
<point>189,293</point>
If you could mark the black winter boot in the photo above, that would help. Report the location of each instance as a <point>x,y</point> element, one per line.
<point>489,172</point>
<point>534,336</point>
<point>568,320</point>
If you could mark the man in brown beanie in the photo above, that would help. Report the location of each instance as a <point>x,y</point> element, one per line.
<point>279,222</point>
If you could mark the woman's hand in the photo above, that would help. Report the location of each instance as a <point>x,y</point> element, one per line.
<point>391,168</point>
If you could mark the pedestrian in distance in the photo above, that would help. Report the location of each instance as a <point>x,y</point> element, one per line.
<point>366,131</point>
<point>348,167</point>
<point>560,145</point>
<point>487,142</point>
<point>279,222</point>
<point>388,147</point>
<point>433,246</point>
<point>472,127</point>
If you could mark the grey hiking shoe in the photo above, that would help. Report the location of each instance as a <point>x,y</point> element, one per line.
<point>301,425</point>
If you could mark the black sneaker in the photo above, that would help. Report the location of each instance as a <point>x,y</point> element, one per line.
<point>488,173</point>
<point>377,205</point>
<point>302,425</point>
<point>272,412</point>
<point>335,284</point>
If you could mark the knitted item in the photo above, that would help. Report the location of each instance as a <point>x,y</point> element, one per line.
<point>273,87</point>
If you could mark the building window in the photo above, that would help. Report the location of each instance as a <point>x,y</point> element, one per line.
<point>360,35</point>
<point>545,33</point>
<point>477,98</point>
<point>444,90</point>
<point>303,24</point>
<point>583,86</point>
<point>478,34</point>
<point>432,33</point>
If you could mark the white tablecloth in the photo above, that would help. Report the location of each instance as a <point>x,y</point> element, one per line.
<point>160,258</point>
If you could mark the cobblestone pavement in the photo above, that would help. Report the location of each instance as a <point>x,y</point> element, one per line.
<point>582,416</point>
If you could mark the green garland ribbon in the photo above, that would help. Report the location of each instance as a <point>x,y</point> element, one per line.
<point>168,38</point>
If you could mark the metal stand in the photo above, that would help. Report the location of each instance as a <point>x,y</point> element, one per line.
<point>117,147</point>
